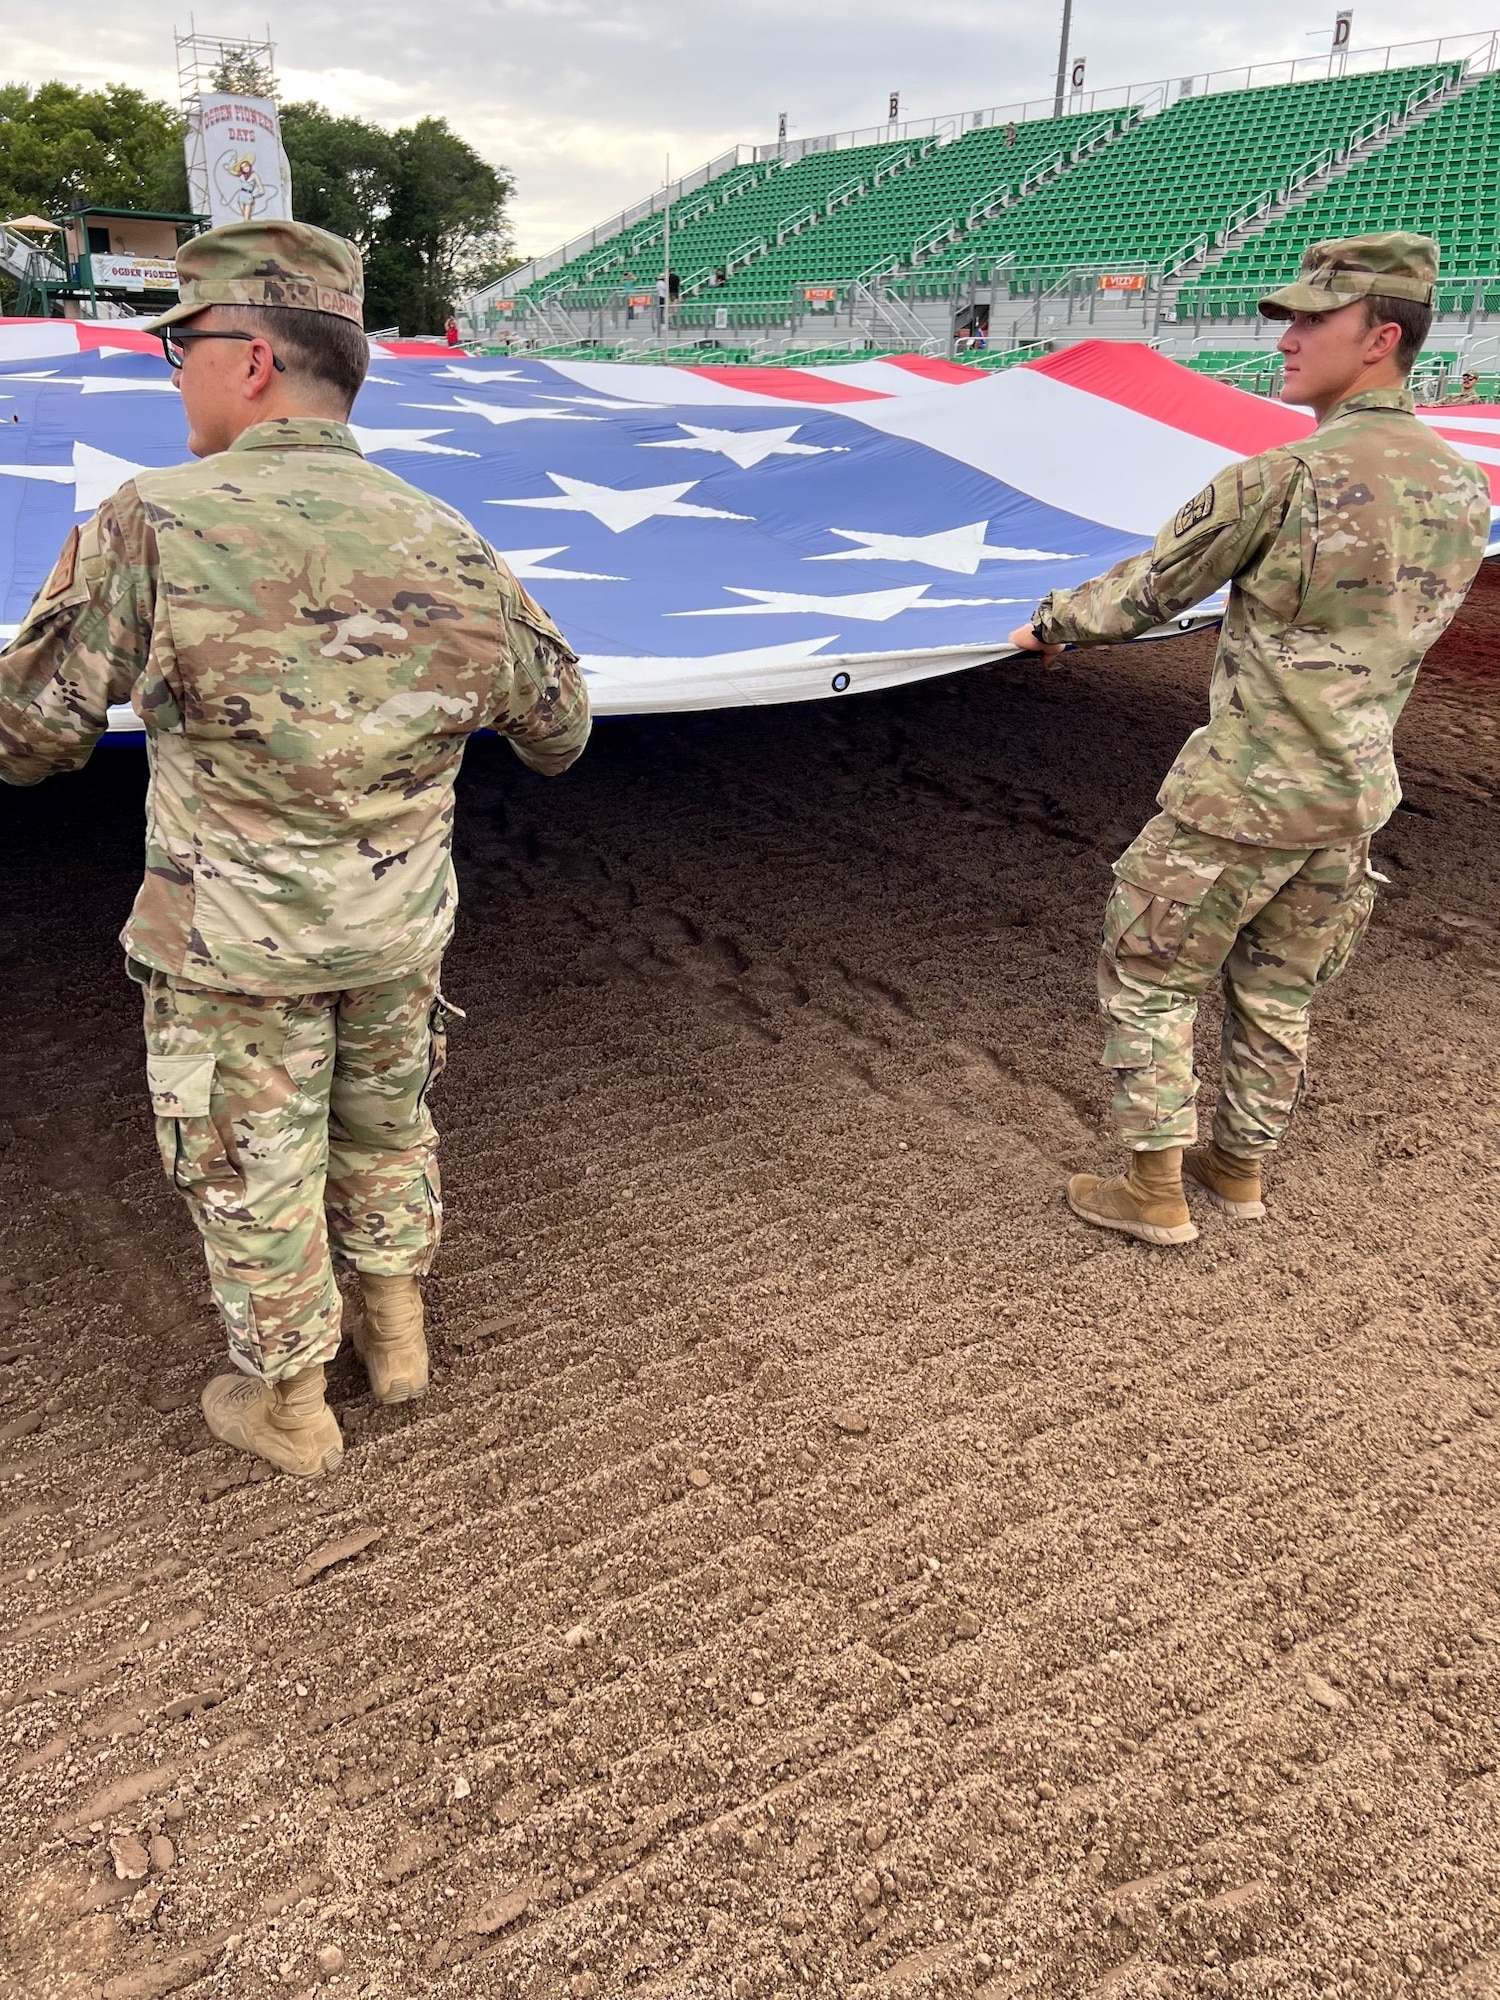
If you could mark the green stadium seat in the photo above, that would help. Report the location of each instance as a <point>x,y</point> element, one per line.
<point>1438,177</point>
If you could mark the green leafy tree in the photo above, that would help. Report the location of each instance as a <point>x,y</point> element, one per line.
<point>427,212</point>
<point>343,171</point>
<point>243,73</point>
<point>110,148</point>
<point>447,219</point>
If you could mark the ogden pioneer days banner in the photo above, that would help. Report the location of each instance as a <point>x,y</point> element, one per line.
<point>237,170</point>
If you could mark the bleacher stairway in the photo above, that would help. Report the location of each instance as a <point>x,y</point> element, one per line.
<point>1422,106</point>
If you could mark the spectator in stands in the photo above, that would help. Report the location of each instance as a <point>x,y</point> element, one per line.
<point>1010,133</point>
<point>661,300</point>
<point>674,287</point>
<point>1346,554</point>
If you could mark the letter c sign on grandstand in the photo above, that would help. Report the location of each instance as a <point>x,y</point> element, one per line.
<point>1077,71</point>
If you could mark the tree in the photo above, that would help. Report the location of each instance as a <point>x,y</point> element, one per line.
<point>110,148</point>
<point>342,170</point>
<point>427,213</point>
<point>447,221</point>
<point>243,73</point>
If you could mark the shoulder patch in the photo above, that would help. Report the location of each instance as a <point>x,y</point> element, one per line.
<point>1199,509</point>
<point>63,570</point>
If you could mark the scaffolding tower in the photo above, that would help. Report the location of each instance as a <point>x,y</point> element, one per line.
<point>201,58</point>
<point>201,61</point>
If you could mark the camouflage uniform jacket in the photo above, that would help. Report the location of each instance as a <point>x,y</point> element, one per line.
<point>1347,554</point>
<point>308,642</point>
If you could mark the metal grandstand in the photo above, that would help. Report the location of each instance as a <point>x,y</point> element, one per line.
<point>918,234</point>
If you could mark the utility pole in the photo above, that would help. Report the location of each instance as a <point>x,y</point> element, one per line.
<point>1062,59</point>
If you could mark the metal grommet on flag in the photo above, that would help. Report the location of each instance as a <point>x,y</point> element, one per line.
<point>840,682</point>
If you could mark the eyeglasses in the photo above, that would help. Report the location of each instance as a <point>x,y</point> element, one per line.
<point>172,344</point>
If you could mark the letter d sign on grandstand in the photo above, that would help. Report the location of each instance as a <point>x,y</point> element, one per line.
<point>1343,27</point>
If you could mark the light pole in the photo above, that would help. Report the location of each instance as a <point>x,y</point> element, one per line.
<point>1062,59</point>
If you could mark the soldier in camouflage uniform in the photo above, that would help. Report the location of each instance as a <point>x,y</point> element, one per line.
<point>308,643</point>
<point>1346,554</point>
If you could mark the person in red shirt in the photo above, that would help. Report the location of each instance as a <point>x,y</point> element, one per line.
<point>450,331</point>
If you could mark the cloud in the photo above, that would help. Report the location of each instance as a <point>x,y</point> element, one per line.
<point>584,99</point>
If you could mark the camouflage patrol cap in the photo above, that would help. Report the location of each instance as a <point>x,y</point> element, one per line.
<point>268,264</point>
<point>1394,265</point>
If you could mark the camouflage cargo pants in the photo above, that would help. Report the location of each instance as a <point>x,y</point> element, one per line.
<point>1275,924</point>
<point>298,1131</point>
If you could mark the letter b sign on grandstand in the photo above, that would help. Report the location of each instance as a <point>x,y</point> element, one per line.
<point>895,111</point>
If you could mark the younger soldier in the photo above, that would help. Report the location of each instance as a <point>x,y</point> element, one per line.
<point>308,642</point>
<point>1347,554</point>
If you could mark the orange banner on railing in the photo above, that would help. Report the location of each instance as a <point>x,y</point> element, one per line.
<point>1121,281</point>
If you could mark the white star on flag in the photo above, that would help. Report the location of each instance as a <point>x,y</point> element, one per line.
<point>93,475</point>
<point>875,605</point>
<point>621,507</point>
<point>500,413</point>
<point>454,372</point>
<point>526,563</point>
<point>370,441</point>
<point>94,385</point>
<point>746,448</point>
<point>960,550</point>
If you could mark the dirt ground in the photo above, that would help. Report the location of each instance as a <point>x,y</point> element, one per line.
<point>822,1565</point>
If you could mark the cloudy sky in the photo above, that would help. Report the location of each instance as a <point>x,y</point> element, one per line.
<point>584,99</point>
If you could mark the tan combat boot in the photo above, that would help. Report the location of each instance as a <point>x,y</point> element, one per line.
<point>287,1423</point>
<point>1146,1202</point>
<point>1230,1181</point>
<point>390,1340</point>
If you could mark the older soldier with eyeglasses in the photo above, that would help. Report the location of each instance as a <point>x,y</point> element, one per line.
<point>308,643</point>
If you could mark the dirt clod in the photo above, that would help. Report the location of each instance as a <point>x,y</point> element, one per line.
<point>332,1553</point>
<point>1325,1695</point>
<point>130,1857</point>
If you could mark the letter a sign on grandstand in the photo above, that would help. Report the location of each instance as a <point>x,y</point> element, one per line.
<point>237,171</point>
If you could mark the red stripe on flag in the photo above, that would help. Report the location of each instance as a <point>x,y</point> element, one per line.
<point>932,367</point>
<point>790,385</point>
<point>110,333</point>
<point>1140,379</point>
